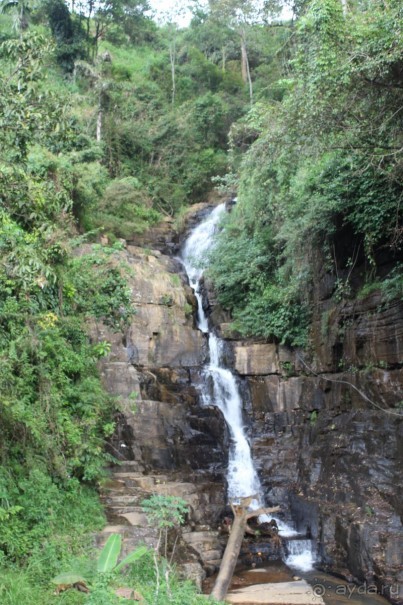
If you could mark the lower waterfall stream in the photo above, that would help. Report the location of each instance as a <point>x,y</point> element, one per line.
<point>220,388</point>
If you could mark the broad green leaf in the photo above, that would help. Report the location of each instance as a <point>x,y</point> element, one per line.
<point>68,578</point>
<point>109,556</point>
<point>132,557</point>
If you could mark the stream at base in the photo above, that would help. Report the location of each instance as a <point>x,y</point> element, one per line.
<point>333,591</point>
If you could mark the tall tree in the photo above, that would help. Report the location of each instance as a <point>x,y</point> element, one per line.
<point>67,33</point>
<point>99,15</point>
<point>171,17</point>
<point>239,15</point>
<point>26,111</point>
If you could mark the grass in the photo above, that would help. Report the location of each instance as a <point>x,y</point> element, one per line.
<point>19,587</point>
<point>135,61</point>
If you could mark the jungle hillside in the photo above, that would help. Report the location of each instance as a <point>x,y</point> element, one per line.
<point>110,124</point>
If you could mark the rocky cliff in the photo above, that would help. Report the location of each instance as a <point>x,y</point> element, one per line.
<point>324,424</point>
<point>165,441</point>
<point>326,432</point>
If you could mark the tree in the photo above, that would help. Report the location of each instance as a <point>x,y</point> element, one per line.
<point>241,516</point>
<point>21,10</point>
<point>99,16</point>
<point>239,15</point>
<point>67,33</point>
<point>170,17</point>
<point>327,159</point>
<point>26,111</point>
<point>215,39</point>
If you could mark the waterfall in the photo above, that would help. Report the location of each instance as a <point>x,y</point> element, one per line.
<point>224,393</point>
<point>220,387</point>
<point>300,554</point>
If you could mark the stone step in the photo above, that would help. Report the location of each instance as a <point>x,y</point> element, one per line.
<point>211,555</point>
<point>118,490</point>
<point>201,536</point>
<point>176,488</point>
<point>149,483</point>
<point>121,507</point>
<point>113,529</point>
<point>118,511</point>
<point>277,593</point>
<point>127,475</point>
<point>135,518</point>
<point>112,483</point>
<point>123,530</point>
<point>132,536</point>
<point>129,465</point>
<point>127,492</point>
<point>119,499</point>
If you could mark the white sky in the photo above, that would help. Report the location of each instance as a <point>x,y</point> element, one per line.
<point>163,6</point>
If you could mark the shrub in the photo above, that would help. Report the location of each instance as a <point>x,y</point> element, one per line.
<point>125,209</point>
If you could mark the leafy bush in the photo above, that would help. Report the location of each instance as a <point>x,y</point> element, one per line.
<point>44,519</point>
<point>125,209</point>
<point>143,575</point>
<point>320,184</point>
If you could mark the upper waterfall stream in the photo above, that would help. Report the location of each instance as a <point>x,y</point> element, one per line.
<point>220,387</point>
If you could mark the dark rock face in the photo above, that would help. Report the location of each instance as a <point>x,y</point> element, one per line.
<point>338,471</point>
<point>328,443</point>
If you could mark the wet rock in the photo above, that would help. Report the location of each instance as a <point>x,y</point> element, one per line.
<point>208,546</point>
<point>165,441</point>
<point>260,552</point>
<point>292,593</point>
<point>324,449</point>
<point>327,437</point>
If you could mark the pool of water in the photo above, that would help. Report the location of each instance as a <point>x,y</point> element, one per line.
<point>333,591</point>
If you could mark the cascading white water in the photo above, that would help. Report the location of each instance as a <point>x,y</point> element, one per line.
<point>300,554</point>
<point>242,477</point>
<point>220,386</point>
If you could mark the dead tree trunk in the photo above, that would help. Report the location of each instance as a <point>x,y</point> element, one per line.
<point>230,558</point>
<point>246,76</point>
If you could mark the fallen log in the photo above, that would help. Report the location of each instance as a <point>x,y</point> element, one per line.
<point>231,553</point>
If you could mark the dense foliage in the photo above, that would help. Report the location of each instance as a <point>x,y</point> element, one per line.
<point>55,415</point>
<point>107,123</point>
<point>320,189</point>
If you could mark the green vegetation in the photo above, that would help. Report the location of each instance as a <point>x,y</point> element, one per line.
<point>144,576</point>
<point>166,513</point>
<point>100,590</point>
<point>55,415</point>
<point>320,188</point>
<point>108,124</point>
